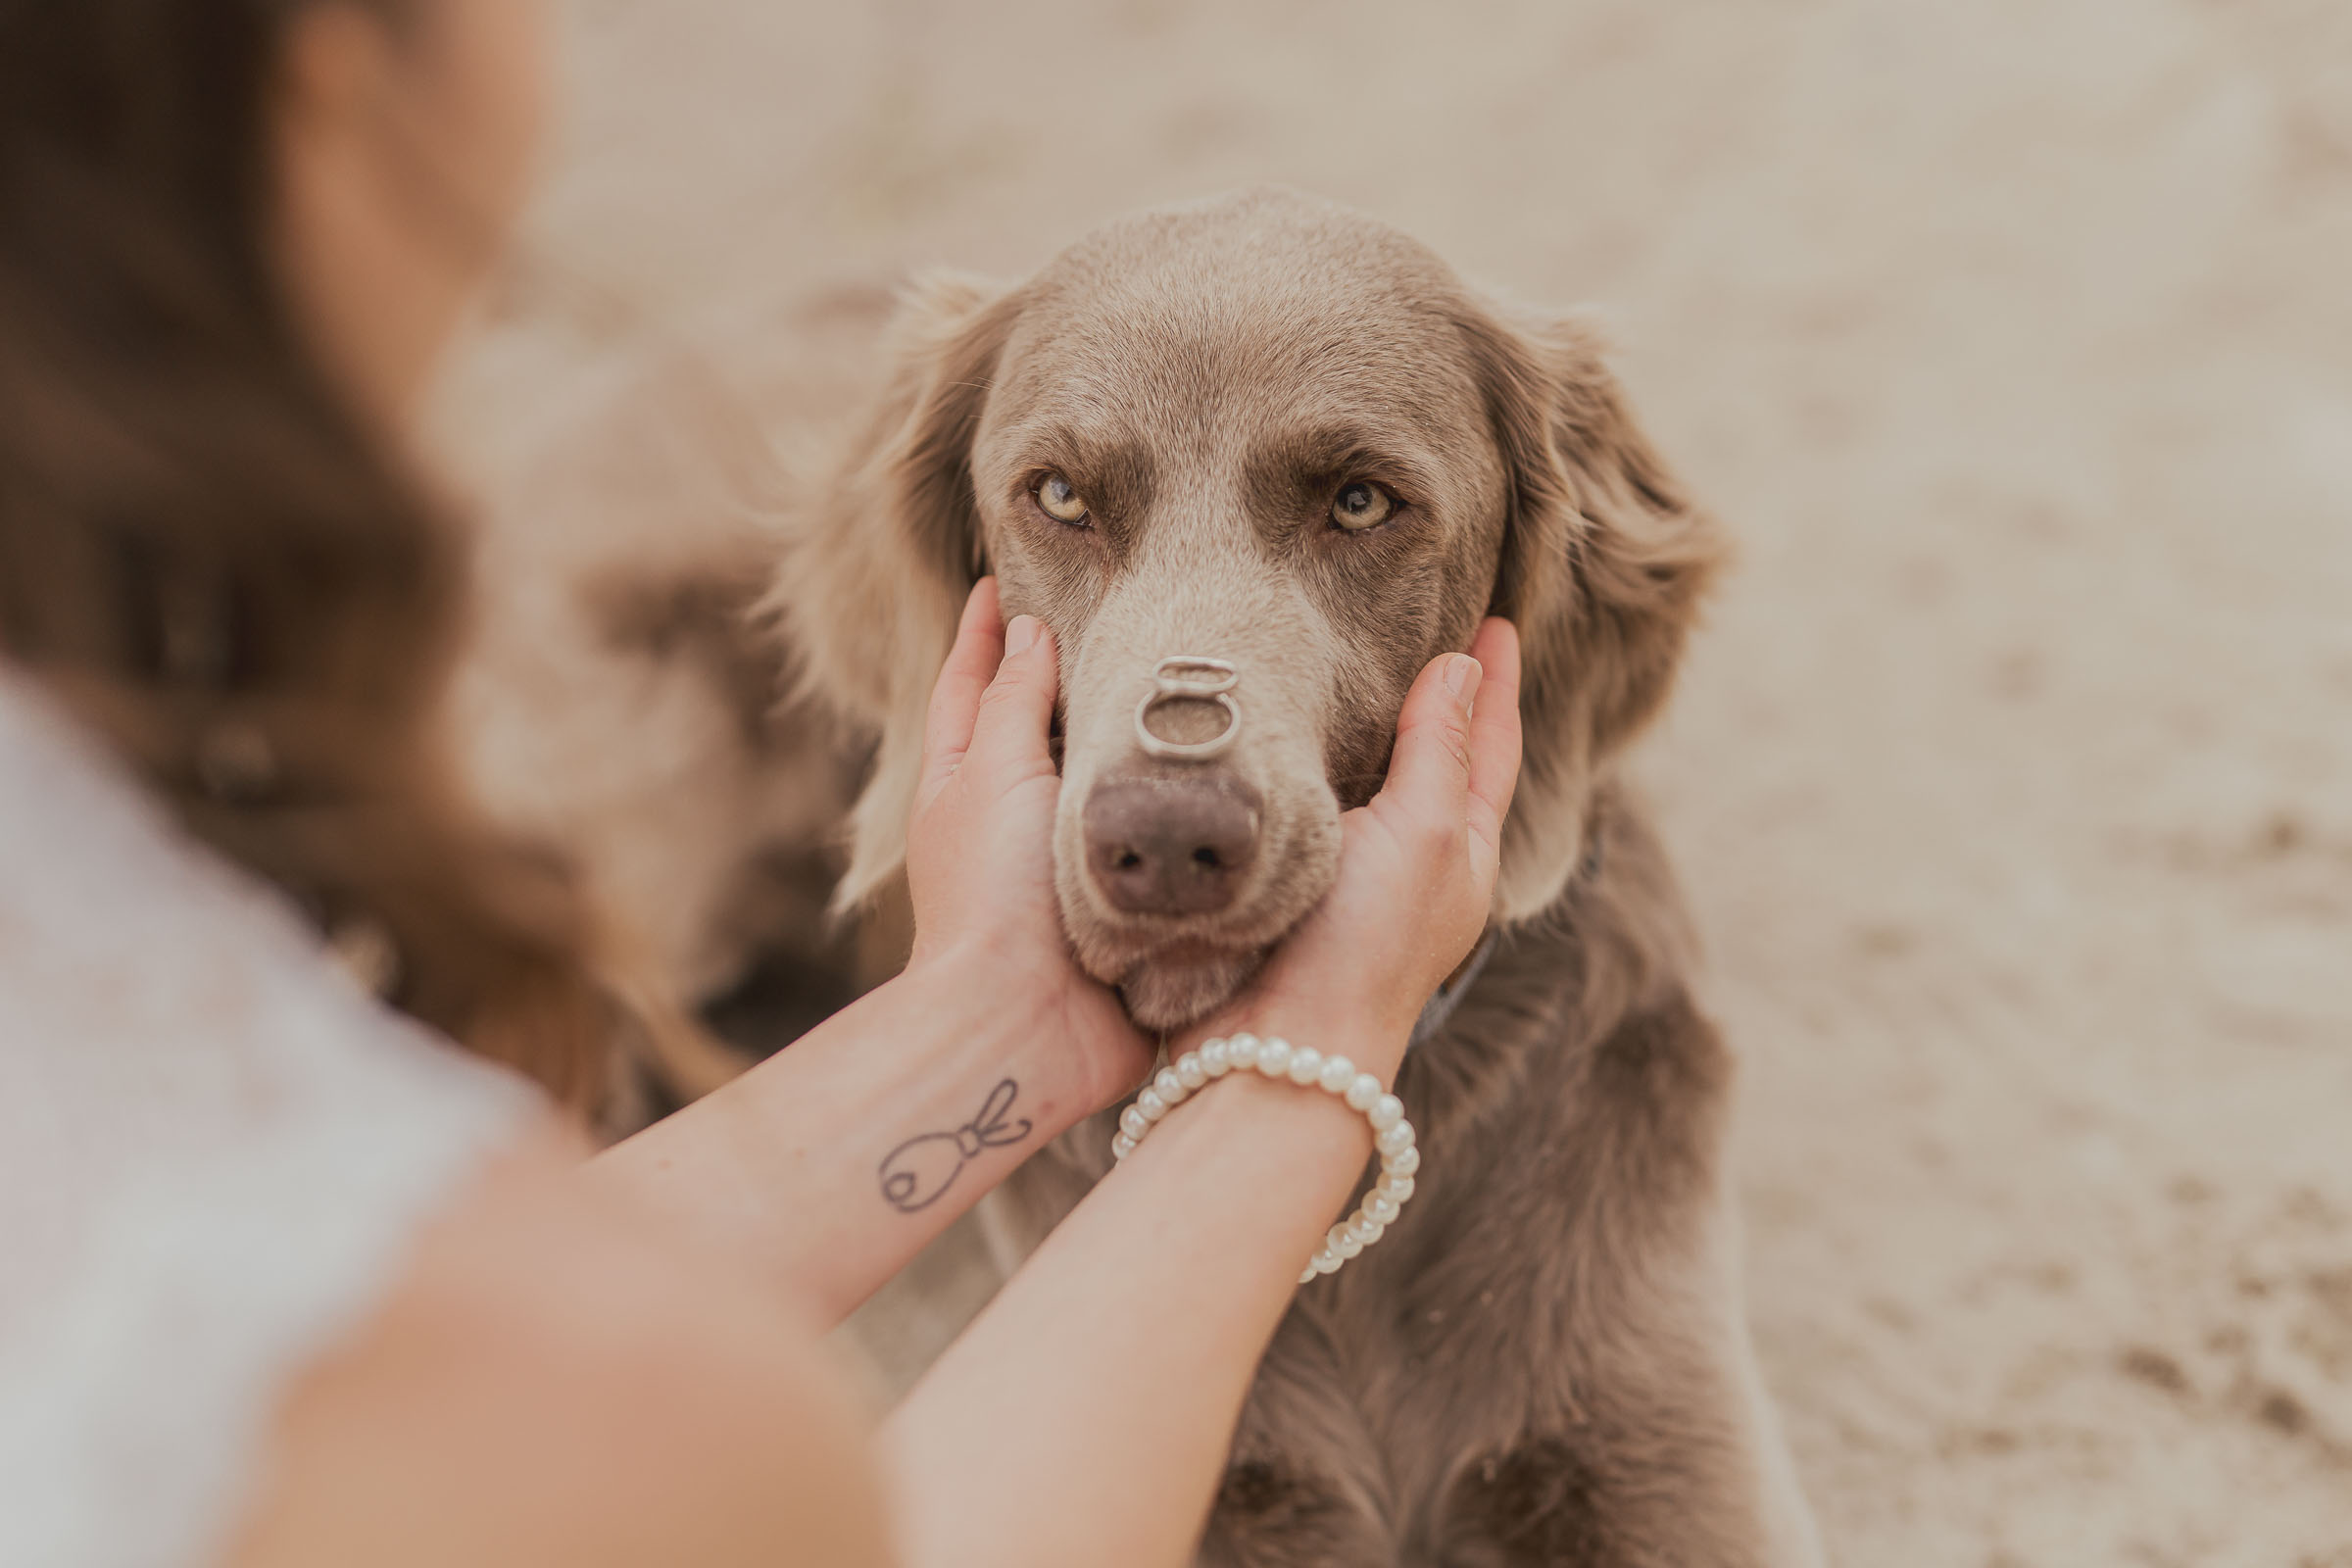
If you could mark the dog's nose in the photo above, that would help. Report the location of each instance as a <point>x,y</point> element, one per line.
<point>1171,846</point>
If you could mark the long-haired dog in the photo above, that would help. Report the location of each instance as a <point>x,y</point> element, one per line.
<point>1270,432</point>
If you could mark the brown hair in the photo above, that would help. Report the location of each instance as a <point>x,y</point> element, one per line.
<point>205,557</point>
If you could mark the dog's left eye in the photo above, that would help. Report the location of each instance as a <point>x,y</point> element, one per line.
<point>1058,500</point>
<point>1360,506</point>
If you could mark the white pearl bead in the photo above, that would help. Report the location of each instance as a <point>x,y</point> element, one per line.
<point>1393,1134</point>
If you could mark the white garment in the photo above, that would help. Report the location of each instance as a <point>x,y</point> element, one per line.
<point>215,1151</point>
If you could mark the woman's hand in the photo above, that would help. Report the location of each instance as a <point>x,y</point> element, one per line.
<point>1417,867</point>
<point>980,847</point>
<point>831,1164</point>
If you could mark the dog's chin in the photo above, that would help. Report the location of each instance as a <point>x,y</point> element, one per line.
<point>1174,988</point>
<point>1174,974</point>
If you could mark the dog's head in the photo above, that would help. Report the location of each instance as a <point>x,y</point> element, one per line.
<point>1269,432</point>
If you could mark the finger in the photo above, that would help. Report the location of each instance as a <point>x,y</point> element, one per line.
<point>962,682</point>
<point>1428,773</point>
<point>1016,712</point>
<point>1495,738</point>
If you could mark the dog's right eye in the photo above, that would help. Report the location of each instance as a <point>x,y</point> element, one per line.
<point>1058,500</point>
<point>1362,505</point>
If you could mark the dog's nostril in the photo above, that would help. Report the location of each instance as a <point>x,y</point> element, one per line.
<point>1160,846</point>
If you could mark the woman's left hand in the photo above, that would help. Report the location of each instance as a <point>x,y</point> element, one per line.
<point>833,1162</point>
<point>980,847</point>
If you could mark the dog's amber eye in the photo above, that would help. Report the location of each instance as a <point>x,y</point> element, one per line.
<point>1360,506</point>
<point>1059,501</point>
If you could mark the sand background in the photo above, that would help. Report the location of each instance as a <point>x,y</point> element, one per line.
<point>2012,778</point>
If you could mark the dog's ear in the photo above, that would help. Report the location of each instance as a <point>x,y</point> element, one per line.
<point>1605,562</point>
<point>873,582</point>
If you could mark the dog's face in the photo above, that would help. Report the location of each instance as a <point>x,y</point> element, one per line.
<point>1217,439</point>
<point>1273,434</point>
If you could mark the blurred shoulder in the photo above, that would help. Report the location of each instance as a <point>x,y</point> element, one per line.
<point>215,1151</point>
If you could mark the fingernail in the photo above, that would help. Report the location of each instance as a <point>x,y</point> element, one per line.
<point>1021,635</point>
<point>1462,675</point>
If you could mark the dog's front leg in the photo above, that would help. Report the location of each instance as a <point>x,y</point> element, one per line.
<point>1307,1487</point>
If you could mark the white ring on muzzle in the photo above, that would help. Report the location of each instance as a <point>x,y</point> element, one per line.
<point>1189,677</point>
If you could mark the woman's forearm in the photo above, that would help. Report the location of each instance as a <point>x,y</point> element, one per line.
<point>832,1163</point>
<point>1085,1417</point>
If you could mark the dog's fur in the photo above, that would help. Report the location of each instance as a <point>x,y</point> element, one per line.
<point>1545,1360</point>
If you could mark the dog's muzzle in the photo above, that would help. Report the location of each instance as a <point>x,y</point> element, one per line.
<point>1187,677</point>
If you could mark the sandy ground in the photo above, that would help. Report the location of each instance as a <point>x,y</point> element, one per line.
<point>2013,778</point>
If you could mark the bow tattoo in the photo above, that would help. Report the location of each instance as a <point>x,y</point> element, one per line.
<point>919,1171</point>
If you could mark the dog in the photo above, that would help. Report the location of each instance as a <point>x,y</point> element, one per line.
<point>1272,433</point>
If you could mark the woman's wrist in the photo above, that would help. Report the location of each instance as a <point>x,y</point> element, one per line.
<point>835,1160</point>
<point>1325,1155</point>
<point>1321,1132</point>
<point>1074,1031</point>
<point>1326,1135</point>
<point>1277,1061</point>
<point>1353,1030</point>
<point>1020,1032</point>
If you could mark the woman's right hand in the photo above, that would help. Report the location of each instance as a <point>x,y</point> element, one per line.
<point>1417,868</point>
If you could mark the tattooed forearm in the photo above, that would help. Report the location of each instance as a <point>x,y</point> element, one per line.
<point>919,1171</point>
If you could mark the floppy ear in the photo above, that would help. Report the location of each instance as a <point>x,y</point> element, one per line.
<point>1605,562</point>
<point>874,578</point>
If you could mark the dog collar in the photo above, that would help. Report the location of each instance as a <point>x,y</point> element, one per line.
<point>1449,997</point>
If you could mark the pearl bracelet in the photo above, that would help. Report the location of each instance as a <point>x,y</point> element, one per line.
<point>1307,1068</point>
